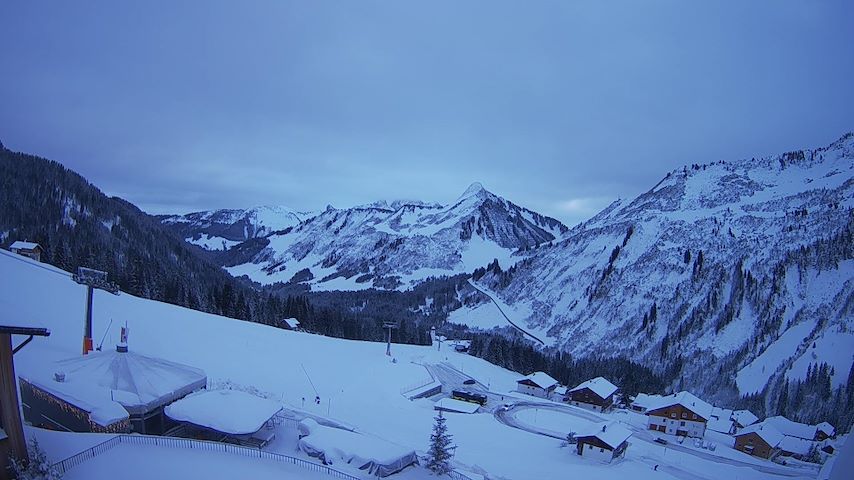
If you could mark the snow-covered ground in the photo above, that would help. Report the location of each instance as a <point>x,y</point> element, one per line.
<point>357,383</point>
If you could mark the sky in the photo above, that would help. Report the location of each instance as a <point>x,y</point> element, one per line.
<point>559,106</point>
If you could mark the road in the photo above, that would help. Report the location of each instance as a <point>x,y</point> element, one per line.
<point>453,379</point>
<point>498,306</point>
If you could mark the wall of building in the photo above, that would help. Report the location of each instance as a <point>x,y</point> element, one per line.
<point>752,444</point>
<point>595,452</point>
<point>532,390</point>
<point>676,426</point>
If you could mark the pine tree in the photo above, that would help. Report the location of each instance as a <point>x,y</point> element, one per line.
<point>439,456</point>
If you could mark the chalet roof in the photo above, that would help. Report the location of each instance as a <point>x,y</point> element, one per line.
<point>826,428</point>
<point>792,428</point>
<point>744,417</point>
<point>687,400</point>
<point>795,445</point>
<point>768,433</point>
<point>227,411</point>
<point>292,323</point>
<point>454,405</point>
<point>612,433</point>
<point>643,400</point>
<point>599,385</point>
<point>540,379</point>
<point>24,245</point>
<point>138,382</point>
<point>720,420</point>
<point>562,390</point>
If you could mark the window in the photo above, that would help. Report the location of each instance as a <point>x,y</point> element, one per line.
<point>684,415</point>
<point>681,424</point>
<point>694,416</point>
<point>601,450</point>
<point>673,415</point>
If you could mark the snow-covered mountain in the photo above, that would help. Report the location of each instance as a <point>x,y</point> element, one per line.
<point>742,268</point>
<point>392,245</point>
<point>222,229</point>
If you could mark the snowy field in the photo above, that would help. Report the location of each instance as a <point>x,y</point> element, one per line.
<point>357,383</point>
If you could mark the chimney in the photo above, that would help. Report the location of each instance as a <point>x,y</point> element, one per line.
<point>122,346</point>
<point>604,427</point>
<point>59,377</point>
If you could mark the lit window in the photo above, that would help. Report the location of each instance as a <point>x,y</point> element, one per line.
<point>673,415</point>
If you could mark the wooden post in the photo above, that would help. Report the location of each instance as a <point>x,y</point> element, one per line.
<point>10,408</point>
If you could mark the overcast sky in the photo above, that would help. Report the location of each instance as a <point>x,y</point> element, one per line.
<point>560,106</point>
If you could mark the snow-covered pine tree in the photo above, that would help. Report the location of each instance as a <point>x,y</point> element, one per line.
<point>441,450</point>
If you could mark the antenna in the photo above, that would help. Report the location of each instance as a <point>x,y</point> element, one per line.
<point>389,326</point>
<point>100,345</point>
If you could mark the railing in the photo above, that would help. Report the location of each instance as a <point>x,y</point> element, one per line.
<point>204,445</point>
<point>455,475</point>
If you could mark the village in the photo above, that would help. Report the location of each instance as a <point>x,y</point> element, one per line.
<point>179,391</point>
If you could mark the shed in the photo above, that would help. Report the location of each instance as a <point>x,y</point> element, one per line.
<point>94,383</point>
<point>605,441</point>
<point>597,393</point>
<point>27,249</point>
<point>290,323</point>
<point>227,415</point>
<point>539,384</point>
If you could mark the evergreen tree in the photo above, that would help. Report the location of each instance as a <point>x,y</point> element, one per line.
<point>440,453</point>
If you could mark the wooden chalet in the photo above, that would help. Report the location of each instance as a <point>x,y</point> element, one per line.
<point>759,440</point>
<point>790,428</point>
<point>680,414</point>
<point>604,442</point>
<point>597,394</point>
<point>744,418</point>
<point>27,249</point>
<point>538,384</point>
<point>290,324</point>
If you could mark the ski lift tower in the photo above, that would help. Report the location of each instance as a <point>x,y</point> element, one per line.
<point>92,279</point>
<point>389,326</point>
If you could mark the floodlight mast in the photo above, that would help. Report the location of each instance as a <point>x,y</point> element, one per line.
<point>92,279</point>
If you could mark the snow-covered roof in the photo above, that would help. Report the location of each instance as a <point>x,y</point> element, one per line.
<point>364,451</point>
<point>687,400</point>
<point>561,390</point>
<point>292,323</point>
<point>827,428</point>
<point>540,379</point>
<point>97,401</point>
<point>723,425</point>
<point>643,400</point>
<point>613,433</point>
<point>792,428</point>
<point>453,405</point>
<point>771,435</point>
<point>599,385</point>
<point>795,445</point>
<point>23,245</point>
<point>138,382</point>
<point>744,417</point>
<point>227,411</point>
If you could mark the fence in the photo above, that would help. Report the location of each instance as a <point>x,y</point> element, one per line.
<point>174,442</point>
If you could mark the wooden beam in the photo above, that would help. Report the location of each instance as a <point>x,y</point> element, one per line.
<point>10,408</point>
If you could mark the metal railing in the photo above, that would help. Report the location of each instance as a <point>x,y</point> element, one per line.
<point>204,445</point>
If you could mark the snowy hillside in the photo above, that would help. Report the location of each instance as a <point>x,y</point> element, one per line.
<point>736,266</point>
<point>359,386</point>
<point>394,245</point>
<point>222,229</point>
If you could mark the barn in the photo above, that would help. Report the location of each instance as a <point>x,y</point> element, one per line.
<point>113,391</point>
<point>538,384</point>
<point>604,442</point>
<point>596,394</point>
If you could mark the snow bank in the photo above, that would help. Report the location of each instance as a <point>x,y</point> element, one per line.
<point>227,411</point>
